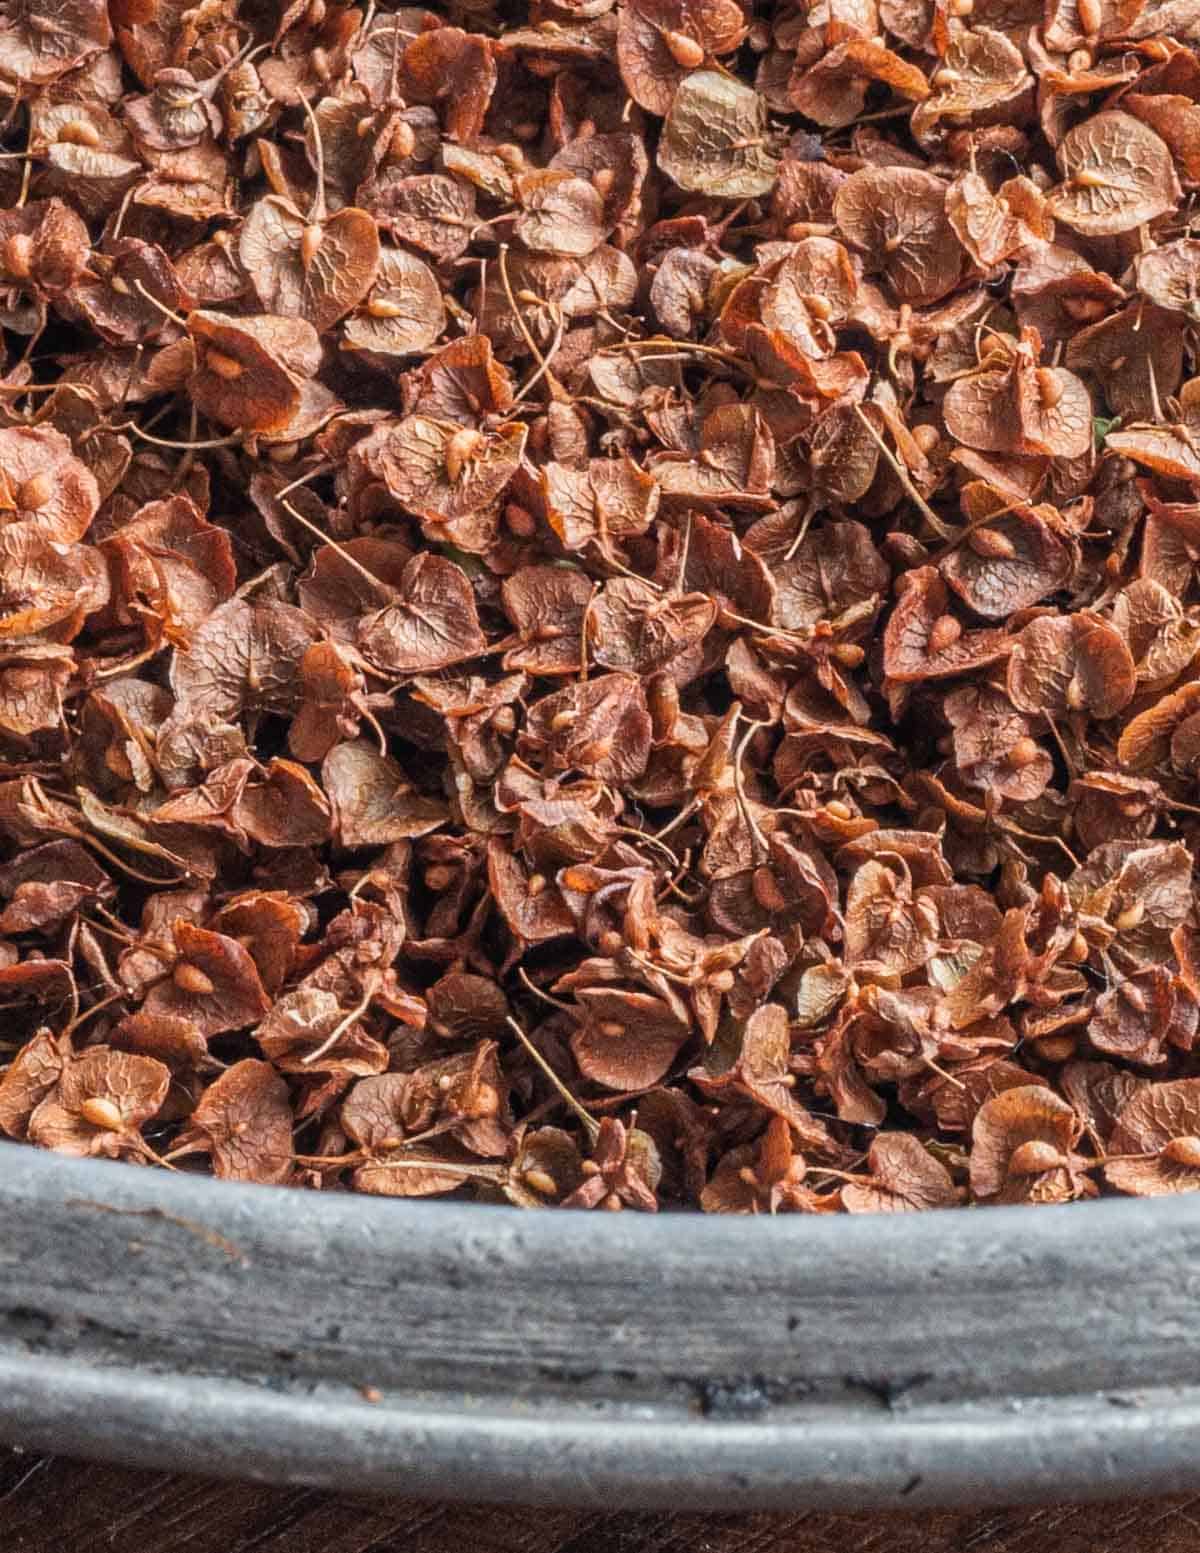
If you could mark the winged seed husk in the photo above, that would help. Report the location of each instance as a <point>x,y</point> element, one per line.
<point>599,602</point>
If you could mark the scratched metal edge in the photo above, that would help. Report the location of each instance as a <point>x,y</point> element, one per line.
<point>1049,1334</point>
<point>1077,1449</point>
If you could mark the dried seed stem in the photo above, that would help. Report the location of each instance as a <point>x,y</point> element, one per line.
<point>80,1019</point>
<point>316,213</point>
<point>544,367</point>
<point>326,539</point>
<point>590,1125</point>
<point>339,1029</point>
<point>540,992</point>
<point>512,302</point>
<point>902,474</point>
<point>162,307</point>
<point>759,841</point>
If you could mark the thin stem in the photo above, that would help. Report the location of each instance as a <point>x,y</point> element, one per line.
<point>316,211</point>
<point>547,359</point>
<point>166,442</point>
<point>584,624</point>
<point>128,868</point>
<point>590,1124</point>
<point>375,582</point>
<point>339,1030</point>
<point>176,318</point>
<point>512,302</point>
<point>762,846</point>
<point>539,993</point>
<point>905,479</point>
<point>809,514</point>
<point>941,1072</point>
<point>1155,404</point>
<point>312,474</point>
<point>80,1019</point>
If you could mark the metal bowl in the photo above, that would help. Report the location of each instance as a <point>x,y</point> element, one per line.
<point>614,1360</point>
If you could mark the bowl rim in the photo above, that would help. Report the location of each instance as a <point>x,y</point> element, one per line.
<point>968,1355</point>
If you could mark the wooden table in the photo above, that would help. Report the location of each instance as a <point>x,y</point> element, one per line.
<point>51,1505</point>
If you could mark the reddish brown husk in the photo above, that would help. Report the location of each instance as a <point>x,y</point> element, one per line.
<point>599,600</point>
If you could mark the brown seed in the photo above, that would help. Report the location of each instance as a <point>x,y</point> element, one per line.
<point>1050,387</point>
<point>926,437</point>
<point>662,697</point>
<point>839,810</point>
<point>404,140</point>
<point>78,132</point>
<point>1054,1048</point>
<point>223,365</point>
<point>1134,996</point>
<point>767,891</point>
<point>612,1027</point>
<point>849,654</point>
<point>1183,1151</point>
<point>34,493</point>
<point>684,50</point>
<point>381,307</point>
<point>191,979</point>
<point>519,521</point>
<point>460,449</point>
<point>589,1168</point>
<point>946,631</point>
<point>1080,61</point>
<point>1086,178</point>
<point>603,179</point>
<point>540,1181</point>
<point>1031,1158</point>
<point>1078,949</point>
<point>310,242</point>
<point>991,544</point>
<point>16,252</point>
<point>612,1203</point>
<point>1024,752</point>
<point>1083,310</point>
<point>535,885</point>
<point>102,1112</point>
<point>439,876</point>
<point>371,1394</point>
<point>596,750</point>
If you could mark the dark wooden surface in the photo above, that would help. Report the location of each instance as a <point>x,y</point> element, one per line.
<point>50,1505</point>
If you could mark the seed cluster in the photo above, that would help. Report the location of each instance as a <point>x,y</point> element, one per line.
<point>598,598</point>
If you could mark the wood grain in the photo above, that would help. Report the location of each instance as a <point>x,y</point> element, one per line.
<point>52,1505</point>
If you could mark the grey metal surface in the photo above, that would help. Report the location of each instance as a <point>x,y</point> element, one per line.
<point>1002,1355</point>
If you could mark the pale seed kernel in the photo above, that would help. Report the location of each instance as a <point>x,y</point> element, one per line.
<point>191,979</point>
<point>1033,1157</point>
<point>102,1112</point>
